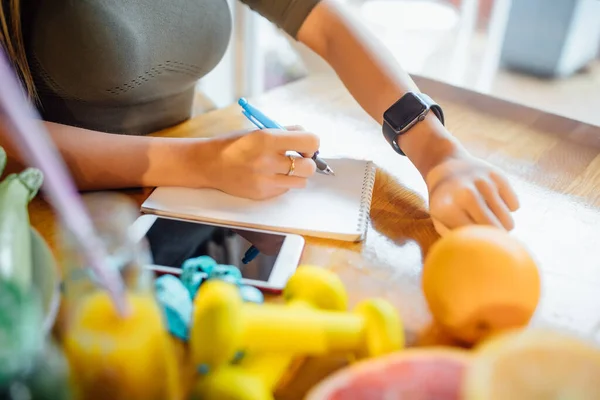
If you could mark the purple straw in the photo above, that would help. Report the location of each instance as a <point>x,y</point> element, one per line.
<point>34,142</point>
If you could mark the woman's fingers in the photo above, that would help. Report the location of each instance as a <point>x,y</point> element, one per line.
<point>300,141</point>
<point>447,212</point>
<point>303,167</point>
<point>495,204</point>
<point>288,182</point>
<point>505,190</point>
<point>454,220</point>
<point>474,204</point>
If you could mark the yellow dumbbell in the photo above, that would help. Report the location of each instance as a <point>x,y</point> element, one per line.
<point>255,377</point>
<point>314,321</point>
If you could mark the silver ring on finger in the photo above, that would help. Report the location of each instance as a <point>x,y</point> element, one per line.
<point>292,165</point>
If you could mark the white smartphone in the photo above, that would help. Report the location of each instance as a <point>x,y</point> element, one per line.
<point>172,241</point>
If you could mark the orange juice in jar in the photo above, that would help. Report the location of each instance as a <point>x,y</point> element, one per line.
<point>113,356</point>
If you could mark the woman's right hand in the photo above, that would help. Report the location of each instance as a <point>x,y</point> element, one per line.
<point>254,164</point>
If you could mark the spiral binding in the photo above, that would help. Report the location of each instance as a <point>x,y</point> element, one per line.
<point>366,197</point>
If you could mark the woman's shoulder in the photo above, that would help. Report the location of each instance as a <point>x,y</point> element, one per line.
<point>289,15</point>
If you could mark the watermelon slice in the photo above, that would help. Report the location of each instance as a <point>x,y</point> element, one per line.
<point>434,373</point>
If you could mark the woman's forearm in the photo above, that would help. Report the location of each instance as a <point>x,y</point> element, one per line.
<point>373,77</point>
<point>100,161</point>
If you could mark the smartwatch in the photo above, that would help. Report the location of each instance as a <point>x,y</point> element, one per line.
<point>406,113</point>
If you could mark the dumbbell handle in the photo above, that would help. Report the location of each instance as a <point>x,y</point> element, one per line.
<point>255,377</point>
<point>297,328</point>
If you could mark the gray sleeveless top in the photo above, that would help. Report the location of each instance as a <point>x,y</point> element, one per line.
<point>130,66</point>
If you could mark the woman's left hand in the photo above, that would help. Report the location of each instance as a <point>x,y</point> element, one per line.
<point>464,190</point>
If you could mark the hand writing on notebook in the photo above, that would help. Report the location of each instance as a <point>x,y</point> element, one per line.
<point>464,190</point>
<point>255,165</point>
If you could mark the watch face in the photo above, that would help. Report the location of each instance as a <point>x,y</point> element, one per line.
<point>404,111</point>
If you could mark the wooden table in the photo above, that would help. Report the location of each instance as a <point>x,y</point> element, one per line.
<point>553,162</point>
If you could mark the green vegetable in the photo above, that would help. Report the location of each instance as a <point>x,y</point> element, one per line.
<point>2,160</point>
<point>15,237</point>
<point>21,336</point>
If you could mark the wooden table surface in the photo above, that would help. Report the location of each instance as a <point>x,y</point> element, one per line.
<point>553,163</point>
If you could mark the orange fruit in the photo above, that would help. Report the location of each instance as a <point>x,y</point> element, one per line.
<point>534,364</point>
<point>479,280</point>
<point>417,373</point>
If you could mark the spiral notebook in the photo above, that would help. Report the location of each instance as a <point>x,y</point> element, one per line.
<point>331,207</point>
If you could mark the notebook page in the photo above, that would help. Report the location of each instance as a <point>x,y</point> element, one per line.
<point>329,206</point>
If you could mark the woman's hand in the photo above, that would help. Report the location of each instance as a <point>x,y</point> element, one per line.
<point>254,164</point>
<point>464,190</point>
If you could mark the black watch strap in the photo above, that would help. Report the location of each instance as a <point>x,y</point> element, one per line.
<point>390,134</point>
<point>434,107</point>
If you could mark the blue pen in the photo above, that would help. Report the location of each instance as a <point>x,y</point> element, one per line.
<point>263,122</point>
<point>251,253</point>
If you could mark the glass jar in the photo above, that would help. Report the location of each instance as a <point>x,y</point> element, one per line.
<point>112,356</point>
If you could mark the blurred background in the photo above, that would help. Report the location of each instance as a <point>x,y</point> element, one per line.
<point>541,53</point>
